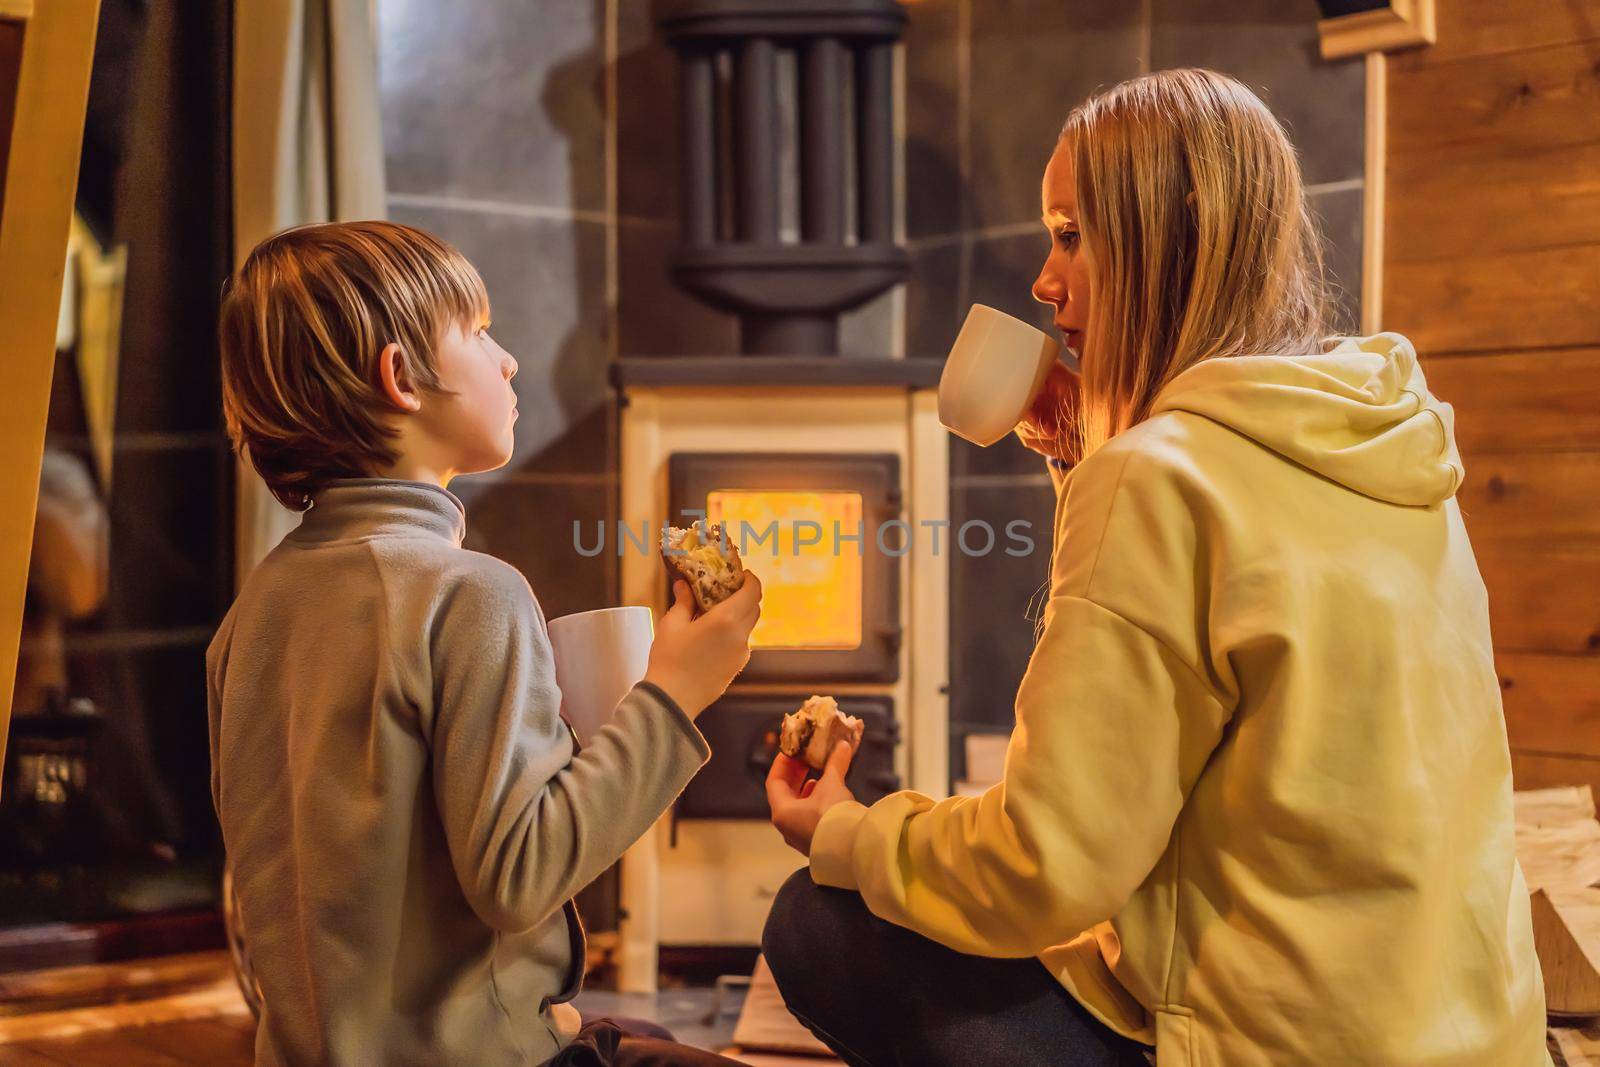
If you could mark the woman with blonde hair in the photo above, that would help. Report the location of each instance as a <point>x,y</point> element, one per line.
<point>1257,806</point>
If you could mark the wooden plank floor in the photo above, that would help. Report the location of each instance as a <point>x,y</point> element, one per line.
<point>208,1024</point>
<point>229,1041</point>
<point>1576,1046</point>
<point>225,1041</point>
<point>169,1012</point>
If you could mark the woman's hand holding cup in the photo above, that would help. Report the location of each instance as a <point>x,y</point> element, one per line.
<point>1047,427</point>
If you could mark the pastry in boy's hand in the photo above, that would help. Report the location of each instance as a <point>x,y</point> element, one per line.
<point>811,732</point>
<point>705,557</point>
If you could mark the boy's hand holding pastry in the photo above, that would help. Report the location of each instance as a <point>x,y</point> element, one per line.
<point>695,657</point>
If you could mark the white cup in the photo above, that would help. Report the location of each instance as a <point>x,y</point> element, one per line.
<point>995,370</point>
<point>600,655</point>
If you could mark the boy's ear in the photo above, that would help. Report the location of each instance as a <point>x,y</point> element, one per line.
<point>396,383</point>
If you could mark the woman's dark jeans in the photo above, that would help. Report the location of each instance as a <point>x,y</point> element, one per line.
<point>882,996</point>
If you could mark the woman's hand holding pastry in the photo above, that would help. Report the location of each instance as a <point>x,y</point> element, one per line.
<point>798,803</point>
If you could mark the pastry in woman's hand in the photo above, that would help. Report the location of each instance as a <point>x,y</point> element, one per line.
<point>811,732</point>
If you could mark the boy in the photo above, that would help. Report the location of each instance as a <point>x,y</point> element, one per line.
<point>402,804</point>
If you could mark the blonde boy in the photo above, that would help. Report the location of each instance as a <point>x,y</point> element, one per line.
<point>404,809</point>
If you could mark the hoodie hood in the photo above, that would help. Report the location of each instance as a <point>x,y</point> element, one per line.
<point>1359,413</point>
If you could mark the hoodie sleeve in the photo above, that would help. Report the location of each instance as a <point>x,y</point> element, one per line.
<point>529,823</point>
<point>1113,727</point>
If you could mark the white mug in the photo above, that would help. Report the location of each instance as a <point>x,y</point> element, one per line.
<point>600,655</point>
<point>996,368</point>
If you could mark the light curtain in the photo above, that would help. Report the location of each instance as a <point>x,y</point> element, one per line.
<point>307,147</point>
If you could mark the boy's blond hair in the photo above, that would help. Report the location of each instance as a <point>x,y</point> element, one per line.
<point>303,322</point>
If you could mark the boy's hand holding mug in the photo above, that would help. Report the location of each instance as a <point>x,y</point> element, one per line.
<point>694,658</point>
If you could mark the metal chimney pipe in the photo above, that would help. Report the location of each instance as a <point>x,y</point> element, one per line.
<point>788,294</point>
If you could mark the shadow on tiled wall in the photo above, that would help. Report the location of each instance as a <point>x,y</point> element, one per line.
<point>504,156</point>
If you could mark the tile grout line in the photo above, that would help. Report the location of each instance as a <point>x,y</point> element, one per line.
<point>613,468</point>
<point>999,481</point>
<point>612,204</point>
<point>447,202</point>
<point>897,305</point>
<point>1009,229</point>
<point>964,147</point>
<point>137,639</point>
<point>1347,185</point>
<point>149,441</point>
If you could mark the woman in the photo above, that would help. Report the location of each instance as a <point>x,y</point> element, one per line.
<point>1257,806</point>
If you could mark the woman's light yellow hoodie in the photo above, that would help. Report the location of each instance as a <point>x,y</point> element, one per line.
<point>1257,807</point>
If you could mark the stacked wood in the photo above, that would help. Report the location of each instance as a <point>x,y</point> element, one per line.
<point>1558,845</point>
<point>1574,1047</point>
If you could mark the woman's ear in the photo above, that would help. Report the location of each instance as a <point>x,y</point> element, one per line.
<point>396,383</point>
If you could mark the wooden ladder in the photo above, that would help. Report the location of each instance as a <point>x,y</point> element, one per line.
<point>46,51</point>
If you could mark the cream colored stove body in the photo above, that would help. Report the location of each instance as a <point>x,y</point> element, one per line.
<point>715,885</point>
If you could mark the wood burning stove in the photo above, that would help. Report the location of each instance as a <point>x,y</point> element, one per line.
<point>842,459</point>
<point>788,448</point>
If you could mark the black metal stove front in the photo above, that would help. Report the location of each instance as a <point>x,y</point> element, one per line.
<point>818,528</point>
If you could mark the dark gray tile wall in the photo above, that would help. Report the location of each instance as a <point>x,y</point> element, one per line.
<point>648,185</point>
<point>935,46</point>
<point>494,118</point>
<point>989,83</point>
<point>996,596</point>
<point>531,527</point>
<point>655,316</point>
<point>495,100</point>
<point>1032,60</point>
<point>1271,46</point>
<point>933,297</point>
<point>1338,213</point>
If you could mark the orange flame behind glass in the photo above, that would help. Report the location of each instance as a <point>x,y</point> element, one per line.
<point>811,599</point>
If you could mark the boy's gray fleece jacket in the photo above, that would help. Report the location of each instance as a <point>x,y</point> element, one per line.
<point>400,799</point>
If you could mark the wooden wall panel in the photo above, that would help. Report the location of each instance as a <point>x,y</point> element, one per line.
<point>1518,101</point>
<point>1469,28</point>
<point>1540,502</point>
<point>1553,196</point>
<point>1541,601</point>
<point>1543,770</point>
<point>1491,265</point>
<point>1552,702</point>
<point>1546,298</point>
<point>1521,401</point>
